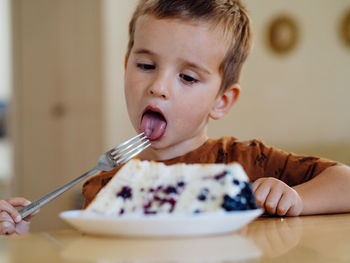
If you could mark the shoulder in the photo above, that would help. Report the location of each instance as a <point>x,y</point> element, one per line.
<point>228,143</point>
<point>229,149</point>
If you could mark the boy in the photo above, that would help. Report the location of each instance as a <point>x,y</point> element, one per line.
<point>182,68</point>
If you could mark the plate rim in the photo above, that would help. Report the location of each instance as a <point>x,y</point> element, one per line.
<point>160,226</point>
<point>76,214</point>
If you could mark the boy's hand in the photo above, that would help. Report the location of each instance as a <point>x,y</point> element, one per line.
<point>11,222</point>
<point>277,197</point>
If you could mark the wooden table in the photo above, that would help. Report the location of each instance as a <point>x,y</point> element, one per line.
<point>323,238</point>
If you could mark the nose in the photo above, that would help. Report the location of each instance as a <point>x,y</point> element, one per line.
<point>160,87</point>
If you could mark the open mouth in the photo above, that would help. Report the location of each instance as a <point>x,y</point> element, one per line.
<point>153,123</point>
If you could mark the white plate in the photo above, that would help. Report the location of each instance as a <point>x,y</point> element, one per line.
<point>161,225</point>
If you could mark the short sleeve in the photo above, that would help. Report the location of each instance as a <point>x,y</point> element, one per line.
<point>290,168</point>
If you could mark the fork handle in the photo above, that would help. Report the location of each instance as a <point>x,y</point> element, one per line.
<point>29,209</point>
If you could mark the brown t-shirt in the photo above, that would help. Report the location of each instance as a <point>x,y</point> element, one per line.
<point>257,159</point>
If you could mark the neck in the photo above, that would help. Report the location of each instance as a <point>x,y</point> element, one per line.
<point>173,151</point>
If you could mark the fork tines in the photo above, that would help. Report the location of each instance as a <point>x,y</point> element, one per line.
<point>129,149</point>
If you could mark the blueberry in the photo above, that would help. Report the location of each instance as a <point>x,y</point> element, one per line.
<point>148,205</point>
<point>172,203</point>
<point>170,189</point>
<point>150,212</point>
<point>235,181</point>
<point>201,197</point>
<point>203,194</point>
<point>246,189</point>
<point>181,184</point>
<point>231,204</point>
<point>125,193</point>
<point>243,201</point>
<point>220,176</point>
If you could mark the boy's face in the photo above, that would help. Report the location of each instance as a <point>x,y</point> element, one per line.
<point>172,81</point>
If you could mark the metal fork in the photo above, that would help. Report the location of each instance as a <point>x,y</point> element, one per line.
<point>106,162</point>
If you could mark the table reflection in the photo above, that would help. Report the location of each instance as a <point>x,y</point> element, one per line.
<point>275,236</point>
<point>226,248</point>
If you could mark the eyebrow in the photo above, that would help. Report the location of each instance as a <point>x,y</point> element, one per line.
<point>144,51</point>
<point>185,62</point>
<point>196,66</point>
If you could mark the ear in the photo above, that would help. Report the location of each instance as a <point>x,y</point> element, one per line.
<point>225,101</point>
<point>125,61</point>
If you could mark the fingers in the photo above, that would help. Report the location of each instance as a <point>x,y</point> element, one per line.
<point>6,206</point>
<point>18,201</point>
<point>290,204</point>
<point>267,194</point>
<point>274,196</point>
<point>256,184</point>
<point>296,206</point>
<point>283,205</point>
<point>21,202</point>
<point>7,228</point>
<point>10,204</point>
<point>272,200</point>
<point>261,192</point>
<point>10,220</point>
<point>7,225</point>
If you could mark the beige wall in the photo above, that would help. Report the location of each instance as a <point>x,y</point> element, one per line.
<point>116,16</point>
<point>57,100</point>
<point>300,97</point>
<point>298,101</point>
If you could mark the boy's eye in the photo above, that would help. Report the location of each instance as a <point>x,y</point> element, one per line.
<point>145,66</point>
<point>188,78</point>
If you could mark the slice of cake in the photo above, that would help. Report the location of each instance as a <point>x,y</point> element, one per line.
<point>143,187</point>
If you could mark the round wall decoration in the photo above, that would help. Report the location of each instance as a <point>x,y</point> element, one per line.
<point>282,34</point>
<point>345,28</point>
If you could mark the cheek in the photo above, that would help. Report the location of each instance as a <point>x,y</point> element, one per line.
<point>130,91</point>
<point>193,112</point>
<point>131,102</point>
<point>128,97</point>
<point>199,102</point>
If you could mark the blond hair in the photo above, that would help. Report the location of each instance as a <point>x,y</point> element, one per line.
<point>229,14</point>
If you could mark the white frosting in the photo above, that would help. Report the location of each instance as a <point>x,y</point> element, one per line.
<point>142,176</point>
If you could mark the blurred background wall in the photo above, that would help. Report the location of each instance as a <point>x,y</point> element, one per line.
<point>5,95</point>
<point>296,100</point>
<point>67,100</point>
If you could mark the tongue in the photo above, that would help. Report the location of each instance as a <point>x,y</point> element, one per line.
<point>153,125</point>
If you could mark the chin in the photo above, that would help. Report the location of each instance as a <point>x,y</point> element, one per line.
<point>161,144</point>
<point>157,144</point>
